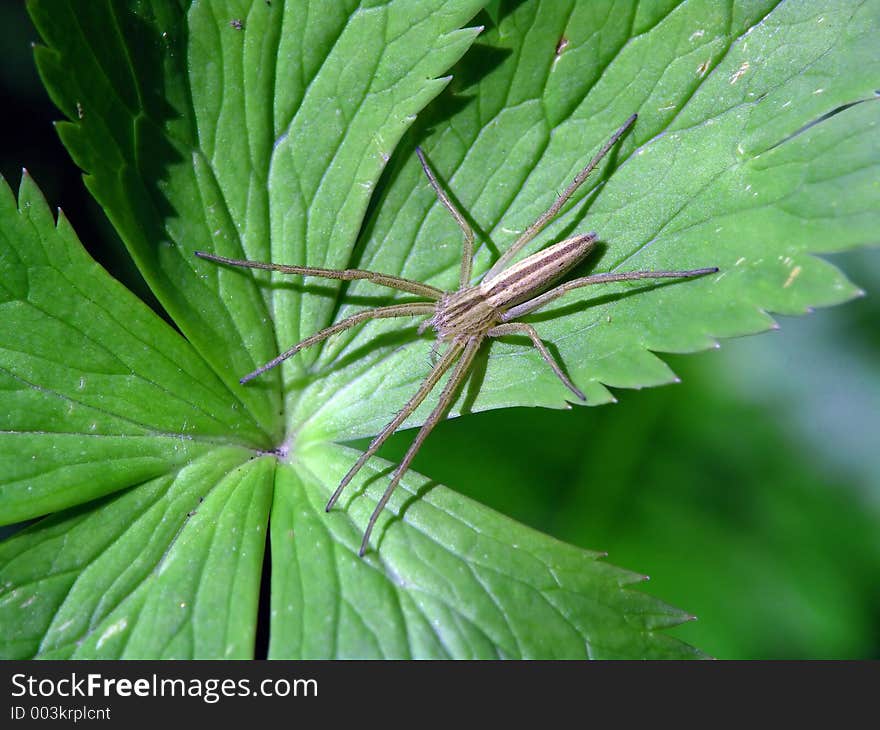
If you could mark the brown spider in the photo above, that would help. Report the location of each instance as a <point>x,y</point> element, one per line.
<point>466,317</point>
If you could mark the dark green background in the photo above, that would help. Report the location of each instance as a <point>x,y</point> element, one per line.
<point>750,493</point>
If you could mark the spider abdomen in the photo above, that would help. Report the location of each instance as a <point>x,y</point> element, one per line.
<point>535,273</point>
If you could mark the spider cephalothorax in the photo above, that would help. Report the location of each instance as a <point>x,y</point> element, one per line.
<point>464,318</point>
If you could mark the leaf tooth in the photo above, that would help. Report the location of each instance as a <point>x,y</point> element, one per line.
<point>462,34</point>
<point>32,202</point>
<point>629,578</point>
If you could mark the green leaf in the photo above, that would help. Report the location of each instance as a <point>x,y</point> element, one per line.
<point>719,170</point>
<point>153,570</point>
<point>98,393</point>
<point>168,569</point>
<point>268,138</point>
<point>449,585</point>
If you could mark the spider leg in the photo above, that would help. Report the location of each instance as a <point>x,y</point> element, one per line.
<point>426,387</point>
<point>548,215</point>
<point>446,397</point>
<point>392,282</point>
<point>467,253</point>
<point>543,299</point>
<point>394,310</point>
<point>512,328</point>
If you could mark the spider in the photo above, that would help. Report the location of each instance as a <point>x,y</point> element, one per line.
<point>464,318</point>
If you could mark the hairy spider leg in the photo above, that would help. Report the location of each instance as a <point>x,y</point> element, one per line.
<point>394,310</point>
<point>393,282</point>
<point>467,253</point>
<point>447,396</point>
<point>543,299</point>
<point>413,309</point>
<point>548,215</point>
<point>518,328</point>
<point>425,388</point>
